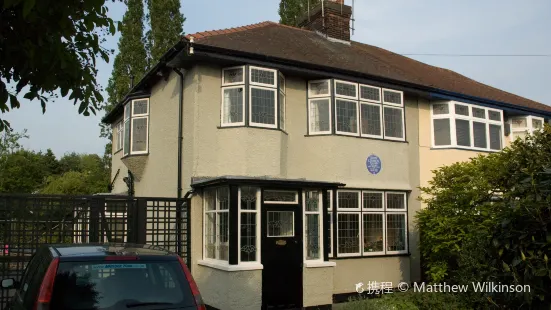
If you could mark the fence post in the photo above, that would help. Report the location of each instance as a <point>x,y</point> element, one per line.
<point>96,204</point>
<point>139,213</point>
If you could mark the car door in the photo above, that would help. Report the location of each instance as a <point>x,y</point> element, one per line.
<point>29,285</point>
<point>21,290</point>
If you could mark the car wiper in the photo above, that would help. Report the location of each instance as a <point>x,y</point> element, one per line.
<point>153,303</point>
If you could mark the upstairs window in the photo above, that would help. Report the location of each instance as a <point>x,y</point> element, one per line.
<point>136,127</point>
<point>118,136</point>
<point>524,125</point>
<point>252,96</point>
<point>359,110</point>
<point>456,124</point>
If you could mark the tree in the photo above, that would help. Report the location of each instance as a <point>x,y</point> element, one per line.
<point>48,46</point>
<point>10,141</point>
<point>290,11</point>
<point>22,172</point>
<point>130,63</point>
<point>166,23</point>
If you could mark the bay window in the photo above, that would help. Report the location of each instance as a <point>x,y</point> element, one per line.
<point>359,110</point>
<point>249,224</point>
<point>118,136</point>
<point>264,104</point>
<point>135,135</point>
<point>371,223</point>
<point>456,124</point>
<point>524,125</point>
<point>313,225</point>
<point>216,219</point>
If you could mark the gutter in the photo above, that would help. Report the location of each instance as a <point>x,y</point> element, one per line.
<point>180,131</point>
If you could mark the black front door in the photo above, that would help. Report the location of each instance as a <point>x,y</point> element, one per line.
<point>281,256</point>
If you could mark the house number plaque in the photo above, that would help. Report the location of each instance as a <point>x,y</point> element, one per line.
<point>281,242</point>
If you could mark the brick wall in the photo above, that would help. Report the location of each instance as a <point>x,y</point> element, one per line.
<point>337,21</point>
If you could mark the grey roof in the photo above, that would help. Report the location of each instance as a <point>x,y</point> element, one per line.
<point>205,180</point>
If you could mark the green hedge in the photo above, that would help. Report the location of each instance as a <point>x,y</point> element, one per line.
<point>410,301</point>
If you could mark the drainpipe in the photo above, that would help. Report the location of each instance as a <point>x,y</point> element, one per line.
<point>180,130</point>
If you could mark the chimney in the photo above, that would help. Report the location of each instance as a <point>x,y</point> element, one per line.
<point>330,18</point>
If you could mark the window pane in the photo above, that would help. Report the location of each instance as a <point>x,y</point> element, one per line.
<point>210,199</point>
<point>479,132</point>
<point>442,131</point>
<point>127,111</point>
<point>223,236</point>
<point>234,75</point>
<point>347,116</point>
<point>392,97</point>
<point>371,119</point>
<point>312,236</point>
<point>348,200</point>
<point>370,93</point>
<point>280,196</point>
<point>248,198</point>
<point>263,106</point>
<point>495,137</point>
<point>396,232</point>
<point>373,232</point>
<point>373,200</point>
<point>461,109</point>
<point>348,234</point>
<point>223,198</point>
<point>441,108</point>
<point>139,134</point>
<point>393,122</point>
<point>537,124</point>
<point>463,132</point>
<point>281,110</point>
<point>281,83</point>
<point>210,235</point>
<point>126,137</point>
<point>494,116</point>
<point>319,88</point>
<point>520,122</point>
<point>330,232</point>
<point>232,109</point>
<point>395,201</point>
<point>319,115</point>
<point>345,89</point>
<point>248,237</point>
<point>479,113</point>
<point>140,107</point>
<point>312,201</point>
<point>281,224</point>
<point>263,76</point>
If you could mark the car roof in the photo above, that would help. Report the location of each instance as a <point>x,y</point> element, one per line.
<point>107,249</point>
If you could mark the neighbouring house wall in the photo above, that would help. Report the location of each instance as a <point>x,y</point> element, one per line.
<point>317,286</point>
<point>348,272</point>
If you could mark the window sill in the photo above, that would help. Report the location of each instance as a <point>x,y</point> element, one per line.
<point>371,256</point>
<point>256,127</point>
<point>134,155</point>
<point>227,267</point>
<point>319,264</point>
<point>462,149</point>
<point>355,136</point>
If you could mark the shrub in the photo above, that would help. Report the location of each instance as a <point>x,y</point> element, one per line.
<point>410,301</point>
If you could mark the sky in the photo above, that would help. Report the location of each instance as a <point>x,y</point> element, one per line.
<point>401,26</point>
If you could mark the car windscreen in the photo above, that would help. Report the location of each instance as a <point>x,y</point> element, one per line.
<point>117,285</point>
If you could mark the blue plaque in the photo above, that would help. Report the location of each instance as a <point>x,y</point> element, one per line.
<point>373,164</point>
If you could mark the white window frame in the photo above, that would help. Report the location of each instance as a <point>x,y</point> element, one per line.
<point>378,253</point>
<point>120,135</point>
<point>331,213</point>
<point>403,122</point>
<point>319,212</point>
<point>381,121</point>
<point>310,95</point>
<point>529,129</point>
<point>344,96</point>
<point>235,83</point>
<point>310,106</point>
<point>452,116</point>
<point>281,91</point>
<point>369,100</point>
<point>129,121</point>
<point>222,123</point>
<point>132,136</point>
<point>140,114</point>
<point>401,104</point>
<point>294,202</point>
<point>363,210</point>
<point>262,69</point>
<point>276,120</point>
<point>359,253</point>
<point>215,211</point>
<point>258,224</point>
<point>357,118</point>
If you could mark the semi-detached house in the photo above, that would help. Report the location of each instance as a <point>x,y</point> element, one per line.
<point>302,153</point>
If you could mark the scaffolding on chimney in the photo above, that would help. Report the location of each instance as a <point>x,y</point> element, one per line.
<point>352,19</point>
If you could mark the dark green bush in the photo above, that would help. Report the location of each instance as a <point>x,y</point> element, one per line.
<point>411,301</point>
